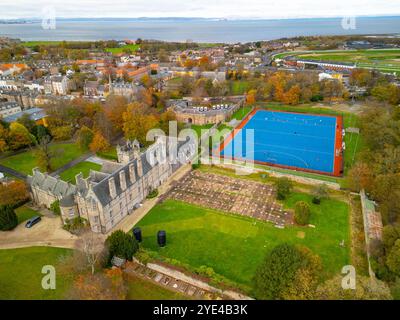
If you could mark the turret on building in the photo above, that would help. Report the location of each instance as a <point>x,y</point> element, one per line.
<point>128,152</point>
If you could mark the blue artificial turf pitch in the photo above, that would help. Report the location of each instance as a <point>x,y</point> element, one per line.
<point>287,139</point>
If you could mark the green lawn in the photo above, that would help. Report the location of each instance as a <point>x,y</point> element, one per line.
<point>132,47</point>
<point>26,161</point>
<point>24,213</point>
<point>354,144</point>
<point>31,44</point>
<point>84,167</point>
<point>21,273</point>
<point>302,174</point>
<point>234,246</point>
<point>239,87</point>
<point>139,289</point>
<point>241,112</point>
<point>199,128</point>
<point>223,126</point>
<point>109,155</point>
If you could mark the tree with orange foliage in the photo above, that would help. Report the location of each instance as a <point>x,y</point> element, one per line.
<point>146,81</point>
<point>204,63</point>
<point>13,193</point>
<point>190,64</point>
<point>137,121</point>
<point>251,97</point>
<point>146,97</point>
<point>292,96</point>
<point>360,176</point>
<point>114,108</point>
<point>278,81</point>
<point>109,285</point>
<point>99,143</point>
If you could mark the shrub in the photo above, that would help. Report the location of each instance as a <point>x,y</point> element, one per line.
<point>8,218</point>
<point>283,188</point>
<point>75,225</point>
<point>61,133</point>
<point>152,194</point>
<point>395,289</point>
<point>393,258</point>
<point>302,213</point>
<point>391,233</point>
<point>122,245</point>
<point>196,165</point>
<point>55,207</point>
<point>280,276</point>
<point>143,256</point>
<point>320,192</point>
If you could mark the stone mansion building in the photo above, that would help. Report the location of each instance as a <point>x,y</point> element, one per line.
<point>106,197</point>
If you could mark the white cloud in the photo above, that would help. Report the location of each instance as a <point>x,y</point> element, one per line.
<point>199,8</point>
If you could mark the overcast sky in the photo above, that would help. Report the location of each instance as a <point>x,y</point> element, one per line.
<point>12,9</point>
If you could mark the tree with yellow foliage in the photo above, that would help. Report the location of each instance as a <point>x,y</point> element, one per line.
<point>137,121</point>
<point>20,136</point>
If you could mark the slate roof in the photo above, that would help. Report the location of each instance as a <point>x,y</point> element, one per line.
<point>57,187</point>
<point>67,201</point>
<point>102,190</point>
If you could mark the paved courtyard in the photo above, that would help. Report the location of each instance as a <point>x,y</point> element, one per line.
<point>239,196</point>
<point>48,232</point>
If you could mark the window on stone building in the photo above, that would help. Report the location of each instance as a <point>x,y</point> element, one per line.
<point>94,207</point>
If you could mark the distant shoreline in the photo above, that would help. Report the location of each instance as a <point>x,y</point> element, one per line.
<point>196,29</point>
<point>177,19</point>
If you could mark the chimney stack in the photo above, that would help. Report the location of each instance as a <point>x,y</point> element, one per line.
<point>139,166</point>
<point>111,186</point>
<point>132,176</point>
<point>122,180</point>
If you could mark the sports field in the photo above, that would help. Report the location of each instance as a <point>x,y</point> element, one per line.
<point>385,60</point>
<point>290,140</point>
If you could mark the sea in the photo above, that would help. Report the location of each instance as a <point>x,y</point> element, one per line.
<point>197,30</point>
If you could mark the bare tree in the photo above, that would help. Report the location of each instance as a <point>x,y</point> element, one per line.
<point>44,154</point>
<point>91,246</point>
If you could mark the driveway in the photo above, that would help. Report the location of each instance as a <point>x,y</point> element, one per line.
<point>48,232</point>
<point>13,172</point>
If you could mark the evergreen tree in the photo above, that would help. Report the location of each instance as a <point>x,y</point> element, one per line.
<point>8,218</point>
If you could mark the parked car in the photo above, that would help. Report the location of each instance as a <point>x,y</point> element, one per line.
<point>31,222</point>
